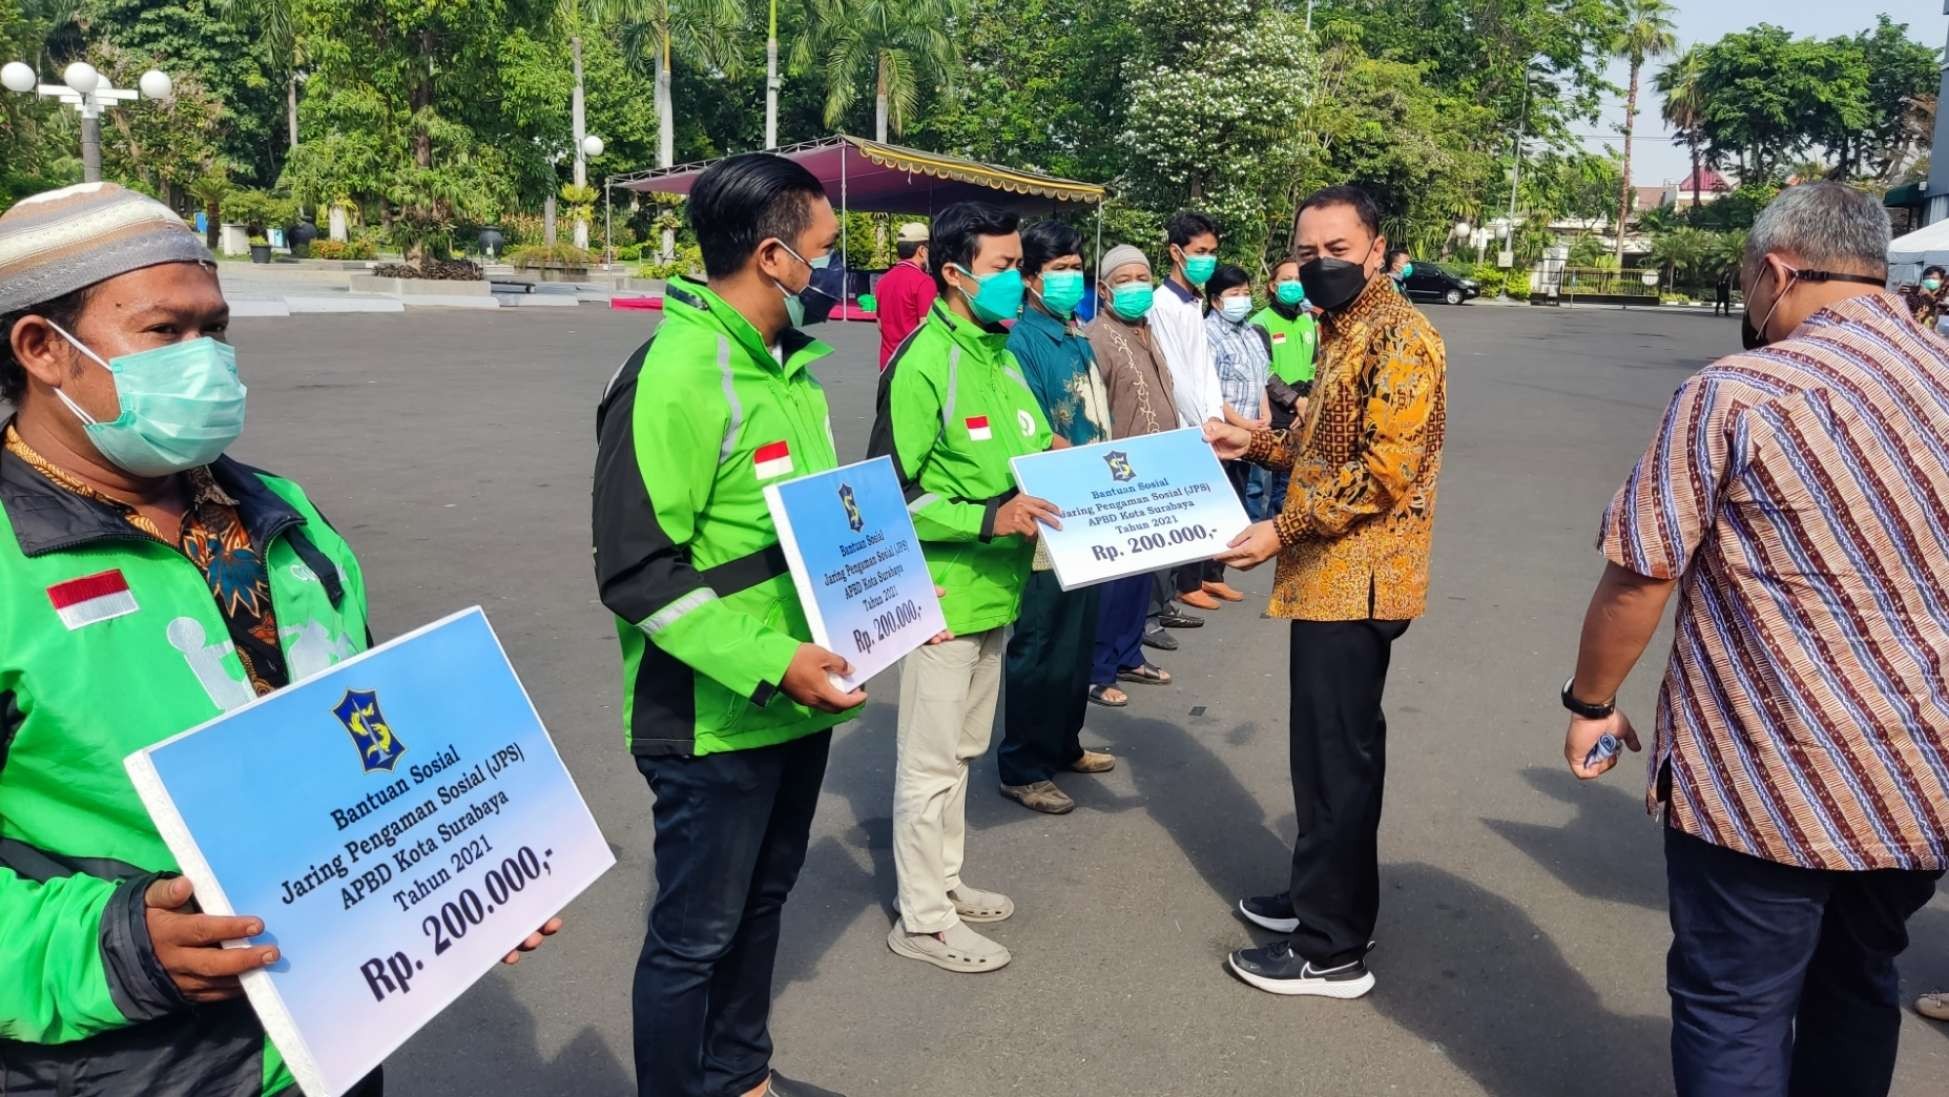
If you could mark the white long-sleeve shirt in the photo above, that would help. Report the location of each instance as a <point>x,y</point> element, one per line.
<point>1177,323</point>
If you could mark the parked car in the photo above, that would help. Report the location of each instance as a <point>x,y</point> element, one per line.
<point>1431,283</point>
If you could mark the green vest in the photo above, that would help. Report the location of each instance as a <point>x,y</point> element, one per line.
<point>954,408</point>
<point>693,428</point>
<point>1294,343</point>
<point>120,670</point>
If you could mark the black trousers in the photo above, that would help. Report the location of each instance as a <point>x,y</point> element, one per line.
<point>1783,978</point>
<point>1339,761</point>
<point>731,831</point>
<point>1046,680</point>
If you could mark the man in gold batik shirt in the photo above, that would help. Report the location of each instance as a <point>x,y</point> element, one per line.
<point>1352,542</point>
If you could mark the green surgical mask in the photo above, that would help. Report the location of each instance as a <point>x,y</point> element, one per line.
<point>1062,291</point>
<point>1290,294</point>
<point>1132,300</point>
<point>182,406</point>
<point>998,298</point>
<point>1198,268</point>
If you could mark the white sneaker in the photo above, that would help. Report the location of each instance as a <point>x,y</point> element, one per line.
<point>959,949</point>
<point>976,905</point>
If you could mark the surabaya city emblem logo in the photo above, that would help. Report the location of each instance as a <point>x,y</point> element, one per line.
<point>1119,463</point>
<point>853,517</point>
<point>378,747</point>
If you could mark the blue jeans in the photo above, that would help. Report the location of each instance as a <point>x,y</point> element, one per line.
<point>1782,978</point>
<point>731,831</point>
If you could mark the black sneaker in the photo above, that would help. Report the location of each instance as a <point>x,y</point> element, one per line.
<point>1277,969</point>
<point>1273,912</point>
<point>1161,640</point>
<point>1177,618</point>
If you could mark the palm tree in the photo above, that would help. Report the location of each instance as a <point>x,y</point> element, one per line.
<point>902,46</point>
<point>1646,32</point>
<point>705,31</point>
<point>1682,85</point>
<point>274,23</point>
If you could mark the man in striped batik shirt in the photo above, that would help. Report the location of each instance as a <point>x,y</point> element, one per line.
<point>1797,497</point>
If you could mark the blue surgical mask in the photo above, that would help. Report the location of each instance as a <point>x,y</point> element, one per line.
<point>795,302</point>
<point>182,406</point>
<point>1235,309</point>
<point>1290,293</point>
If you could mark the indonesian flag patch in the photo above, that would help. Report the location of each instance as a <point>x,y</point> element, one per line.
<point>91,598</point>
<point>772,459</point>
<point>1278,338</point>
<point>978,428</point>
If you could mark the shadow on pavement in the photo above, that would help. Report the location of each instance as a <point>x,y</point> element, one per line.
<point>1469,971</point>
<point>1585,852</point>
<point>490,1046</point>
<point>1459,966</point>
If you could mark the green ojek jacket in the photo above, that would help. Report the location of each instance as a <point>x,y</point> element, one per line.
<point>84,1005</point>
<point>1293,344</point>
<point>692,428</point>
<point>953,409</point>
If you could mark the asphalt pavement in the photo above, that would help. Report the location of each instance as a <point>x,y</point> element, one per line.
<point>1522,933</point>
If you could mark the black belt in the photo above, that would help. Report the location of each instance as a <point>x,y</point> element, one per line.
<point>746,571</point>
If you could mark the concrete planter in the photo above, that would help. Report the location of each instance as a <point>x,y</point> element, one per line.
<point>233,239</point>
<point>419,287</point>
<point>554,274</point>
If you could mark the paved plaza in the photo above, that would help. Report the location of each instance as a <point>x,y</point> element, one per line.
<point>1522,934</point>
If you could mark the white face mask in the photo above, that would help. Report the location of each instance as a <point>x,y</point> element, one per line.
<point>1235,309</point>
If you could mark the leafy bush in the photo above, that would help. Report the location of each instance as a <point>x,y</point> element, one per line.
<point>346,249</point>
<point>253,209</point>
<point>534,256</point>
<point>520,228</point>
<point>689,261</point>
<point>259,241</point>
<point>629,253</point>
<point>438,270</point>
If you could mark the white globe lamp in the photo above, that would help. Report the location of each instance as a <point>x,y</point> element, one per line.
<point>82,77</point>
<point>17,76</point>
<point>592,146</point>
<point>155,84</point>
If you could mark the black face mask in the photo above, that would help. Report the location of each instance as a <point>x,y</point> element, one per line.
<point>1753,338</point>
<point>1332,284</point>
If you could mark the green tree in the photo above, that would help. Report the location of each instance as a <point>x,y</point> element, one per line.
<point>1684,108</point>
<point>193,38</point>
<point>652,31</point>
<point>1216,89</point>
<point>1768,98</point>
<point>1902,83</point>
<point>274,26</point>
<point>1645,32</point>
<point>899,46</point>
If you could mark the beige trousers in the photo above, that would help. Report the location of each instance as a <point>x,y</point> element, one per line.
<point>947,715</point>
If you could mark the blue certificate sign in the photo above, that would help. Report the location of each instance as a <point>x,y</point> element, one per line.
<point>399,822</point>
<point>1133,505</point>
<point>857,565</point>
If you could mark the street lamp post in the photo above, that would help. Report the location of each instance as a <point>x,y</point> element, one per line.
<point>586,149</point>
<point>88,92</point>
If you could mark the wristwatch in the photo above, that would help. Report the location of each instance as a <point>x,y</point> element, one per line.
<point>1584,708</point>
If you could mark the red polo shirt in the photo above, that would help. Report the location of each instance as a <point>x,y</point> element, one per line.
<point>902,298</point>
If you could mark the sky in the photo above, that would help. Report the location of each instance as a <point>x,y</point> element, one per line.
<point>1654,158</point>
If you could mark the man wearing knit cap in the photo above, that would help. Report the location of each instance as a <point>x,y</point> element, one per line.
<point>147,584</point>
<point>1138,384</point>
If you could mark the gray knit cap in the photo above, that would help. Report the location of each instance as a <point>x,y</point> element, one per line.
<point>59,241</point>
<point>1121,256</point>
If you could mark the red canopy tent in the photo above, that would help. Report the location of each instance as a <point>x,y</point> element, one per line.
<point>875,177</point>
